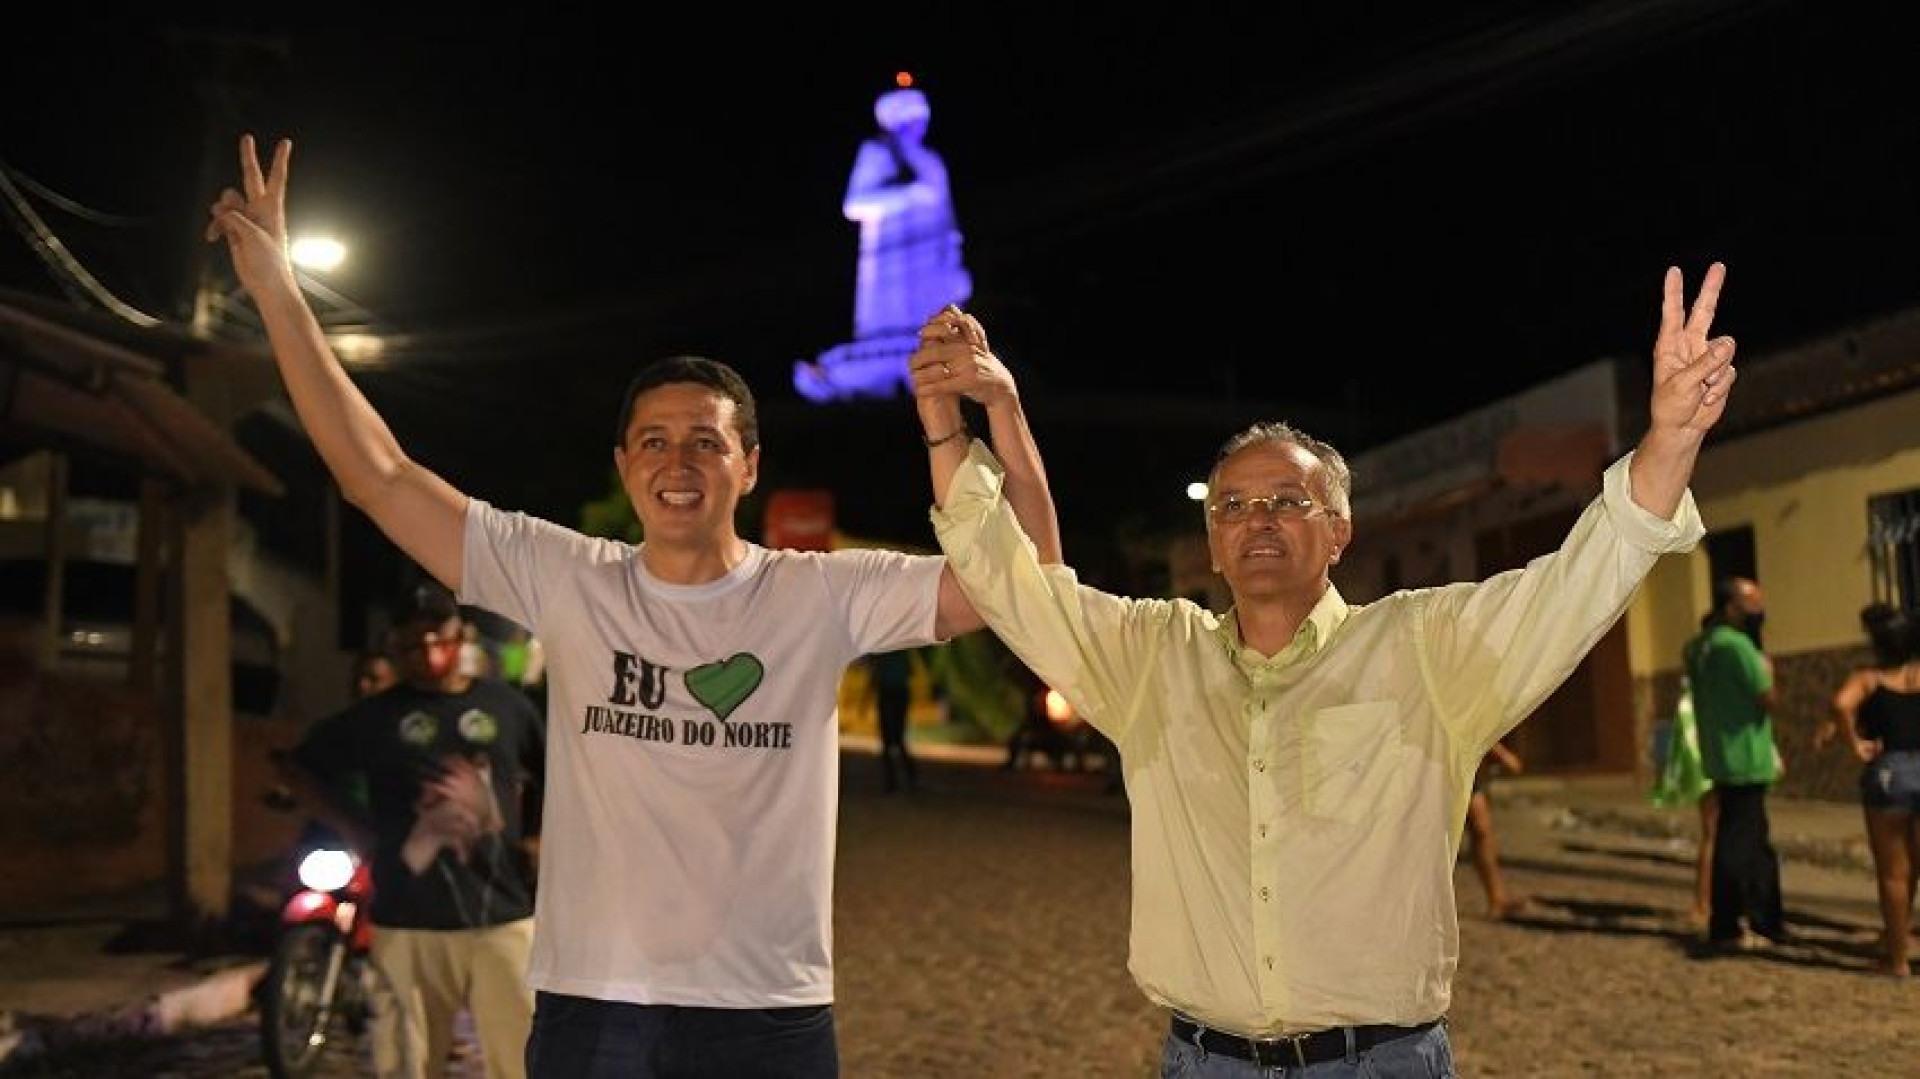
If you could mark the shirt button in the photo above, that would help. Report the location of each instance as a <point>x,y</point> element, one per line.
<point>1259,765</point>
<point>1264,894</point>
<point>1269,962</point>
<point>1263,831</point>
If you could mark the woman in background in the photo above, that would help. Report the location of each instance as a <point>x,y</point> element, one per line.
<point>1878,712</point>
<point>1486,853</point>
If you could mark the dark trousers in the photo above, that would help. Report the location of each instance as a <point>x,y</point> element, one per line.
<point>893,702</point>
<point>582,1038</point>
<point>1746,873</point>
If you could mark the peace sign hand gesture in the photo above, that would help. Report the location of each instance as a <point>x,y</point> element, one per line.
<point>1691,374</point>
<point>254,224</point>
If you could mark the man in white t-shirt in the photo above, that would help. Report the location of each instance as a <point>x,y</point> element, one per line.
<point>683,922</point>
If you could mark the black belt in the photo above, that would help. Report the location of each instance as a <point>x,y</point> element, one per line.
<point>1294,1052</point>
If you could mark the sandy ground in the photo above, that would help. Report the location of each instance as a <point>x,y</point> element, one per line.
<point>982,923</point>
<point>986,937</point>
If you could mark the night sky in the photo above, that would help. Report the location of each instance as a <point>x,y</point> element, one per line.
<point>1370,217</point>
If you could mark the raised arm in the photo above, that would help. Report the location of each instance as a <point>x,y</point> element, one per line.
<point>1507,642</point>
<point>420,512</point>
<point>953,361</point>
<point>1691,378</point>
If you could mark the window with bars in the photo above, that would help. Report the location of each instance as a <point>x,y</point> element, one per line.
<point>1893,547</point>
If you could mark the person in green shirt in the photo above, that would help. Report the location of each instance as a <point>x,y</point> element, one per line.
<point>1732,684</point>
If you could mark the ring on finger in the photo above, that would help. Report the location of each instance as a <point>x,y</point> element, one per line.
<point>947,367</point>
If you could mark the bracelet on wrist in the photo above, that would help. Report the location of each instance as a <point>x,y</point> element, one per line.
<point>946,438</point>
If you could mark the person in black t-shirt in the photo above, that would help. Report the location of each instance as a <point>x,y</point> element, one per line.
<point>893,693</point>
<point>1877,711</point>
<point>447,759</point>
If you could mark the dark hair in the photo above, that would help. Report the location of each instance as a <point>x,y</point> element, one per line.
<point>1725,591</point>
<point>700,371</point>
<point>428,602</point>
<point>1891,632</point>
<point>366,662</point>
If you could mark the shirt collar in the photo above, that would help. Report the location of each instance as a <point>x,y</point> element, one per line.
<point>1321,624</point>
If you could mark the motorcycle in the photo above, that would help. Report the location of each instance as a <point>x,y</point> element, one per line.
<point>323,993</point>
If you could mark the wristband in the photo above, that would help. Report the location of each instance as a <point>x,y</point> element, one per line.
<point>946,438</point>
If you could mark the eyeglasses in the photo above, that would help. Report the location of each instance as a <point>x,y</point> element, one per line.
<point>1236,508</point>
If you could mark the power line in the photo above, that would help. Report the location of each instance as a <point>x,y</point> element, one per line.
<point>74,279</point>
<point>70,206</point>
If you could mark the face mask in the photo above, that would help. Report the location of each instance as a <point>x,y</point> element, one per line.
<point>442,657</point>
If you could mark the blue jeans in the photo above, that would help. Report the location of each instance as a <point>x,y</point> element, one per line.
<point>582,1038</point>
<point>1892,782</point>
<point>1426,1055</point>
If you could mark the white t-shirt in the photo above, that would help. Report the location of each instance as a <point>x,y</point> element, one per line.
<point>687,839</point>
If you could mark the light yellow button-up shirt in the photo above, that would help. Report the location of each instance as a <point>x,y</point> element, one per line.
<point>1296,819</point>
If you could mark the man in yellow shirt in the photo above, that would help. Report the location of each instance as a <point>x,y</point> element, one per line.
<point>1299,768</point>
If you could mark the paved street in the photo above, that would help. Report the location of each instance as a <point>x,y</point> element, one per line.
<point>982,932</point>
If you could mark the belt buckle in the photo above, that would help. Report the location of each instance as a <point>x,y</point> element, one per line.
<point>1272,1052</point>
<point>1299,1044</point>
<point>1259,1047</point>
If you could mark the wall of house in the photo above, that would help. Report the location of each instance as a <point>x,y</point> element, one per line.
<point>1804,489</point>
<point>84,812</point>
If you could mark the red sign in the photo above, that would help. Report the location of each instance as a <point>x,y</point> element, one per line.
<point>801,520</point>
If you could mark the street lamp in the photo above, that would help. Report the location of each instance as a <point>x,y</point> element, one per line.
<point>353,344</point>
<point>320,253</point>
<point>315,254</point>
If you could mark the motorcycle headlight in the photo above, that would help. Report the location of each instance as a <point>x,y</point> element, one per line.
<point>326,870</point>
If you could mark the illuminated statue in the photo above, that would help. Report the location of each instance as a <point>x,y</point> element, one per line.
<point>910,263</point>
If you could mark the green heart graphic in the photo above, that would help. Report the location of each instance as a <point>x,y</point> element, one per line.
<point>723,686</point>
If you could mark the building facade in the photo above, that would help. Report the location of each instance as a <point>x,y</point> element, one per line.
<point>1810,485</point>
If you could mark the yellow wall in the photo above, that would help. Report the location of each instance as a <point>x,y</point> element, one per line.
<point>1804,490</point>
<point>1663,615</point>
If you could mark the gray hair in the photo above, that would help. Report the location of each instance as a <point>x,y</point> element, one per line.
<point>1339,478</point>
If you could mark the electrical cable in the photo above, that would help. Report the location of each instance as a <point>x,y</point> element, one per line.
<point>67,269</point>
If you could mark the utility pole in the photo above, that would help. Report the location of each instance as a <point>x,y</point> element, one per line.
<point>227,70</point>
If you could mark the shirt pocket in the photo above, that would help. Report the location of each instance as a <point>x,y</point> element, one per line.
<point>1353,756</point>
